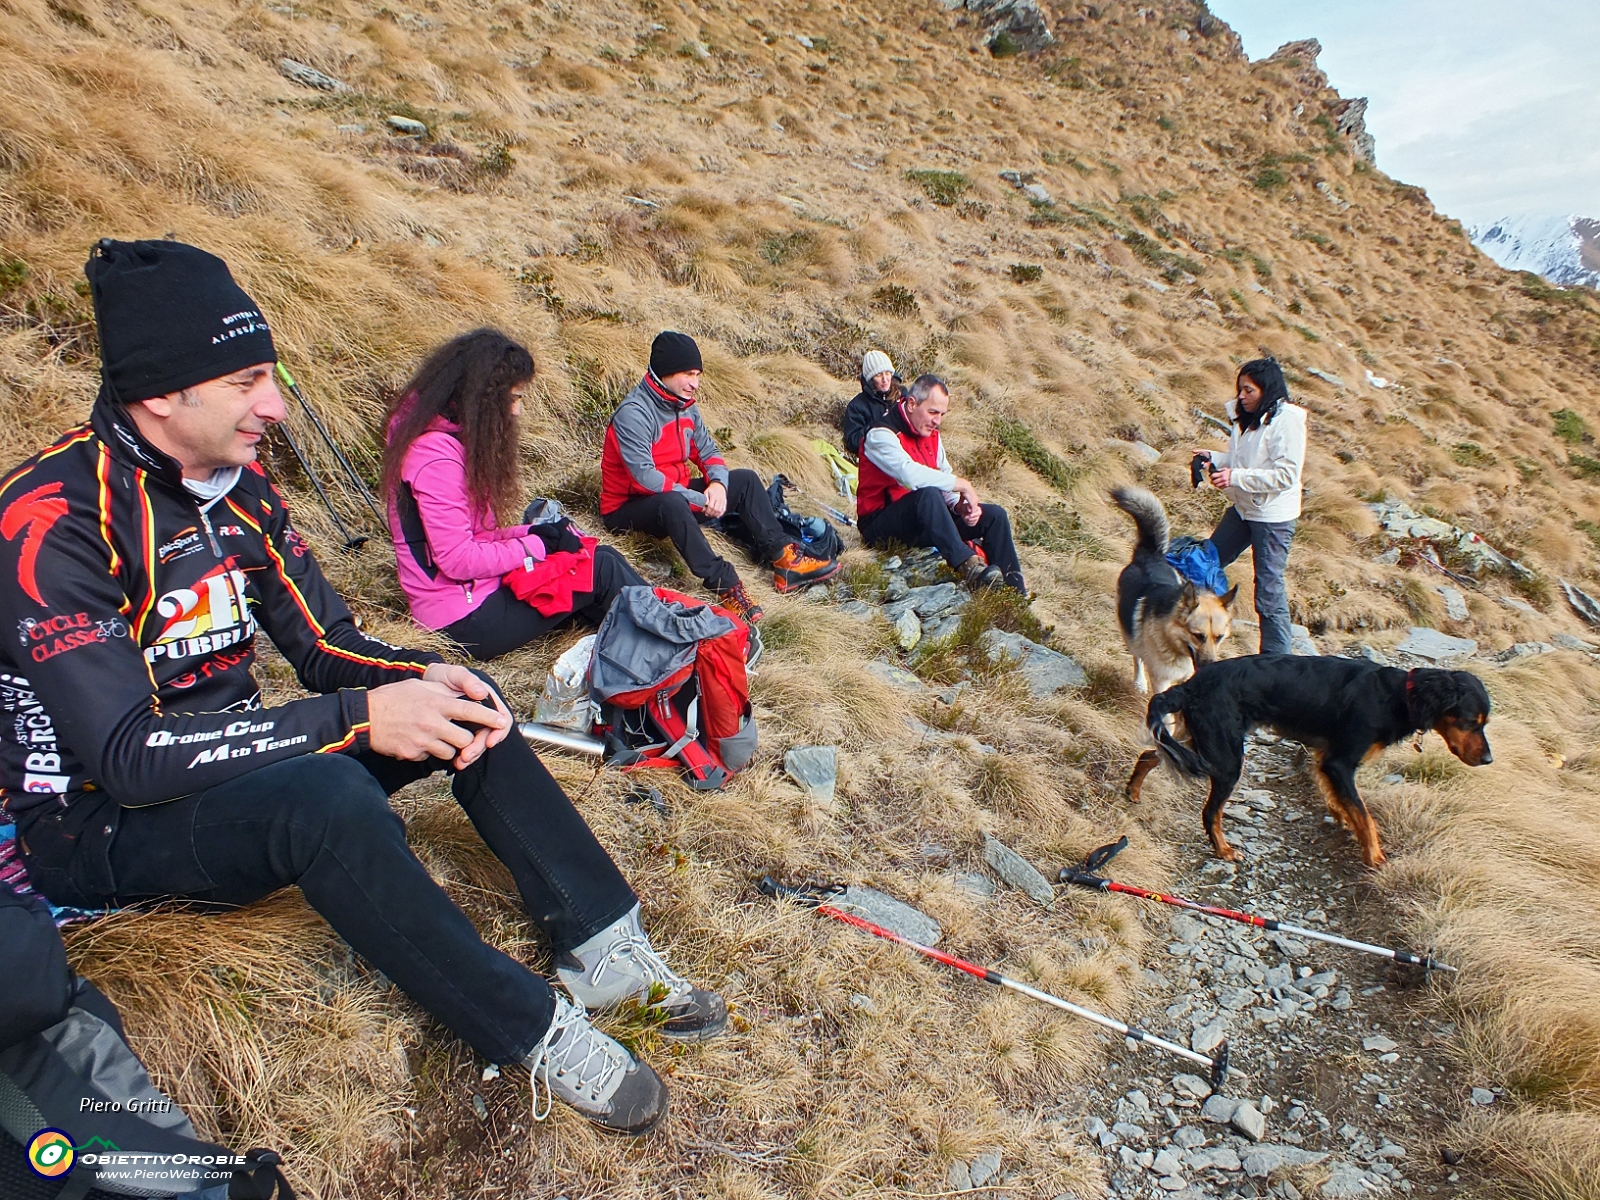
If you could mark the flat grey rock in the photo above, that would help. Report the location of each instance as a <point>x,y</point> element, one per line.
<point>1455,604</point>
<point>1191,1085</point>
<point>1346,1181</point>
<point>859,609</point>
<point>1326,377</point>
<point>310,77</point>
<point>1188,1137</point>
<point>895,676</point>
<point>1129,1132</point>
<point>1220,1158</point>
<point>1482,1097</point>
<point>1585,605</point>
<point>1379,1044</point>
<point>872,905</point>
<point>1043,669</point>
<point>1218,1109</point>
<point>896,588</point>
<point>1247,1119</point>
<point>406,126</point>
<point>1017,871</point>
<point>944,627</point>
<point>1208,1037</point>
<point>1523,650</point>
<point>1167,1163</point>
<point>908,630</point>
<point>1517,604</point>
<point>1436,647</point>
<point>1188,928</point>
<point>1261,1161</point>
<point>1567,642</point>
<point>974,885</point>
<point>958,1178</point>
<point>936,599</point>
<point>814,768</point>
<point>984,1168</point>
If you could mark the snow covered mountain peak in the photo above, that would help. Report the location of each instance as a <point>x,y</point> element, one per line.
<point>1565,250</point>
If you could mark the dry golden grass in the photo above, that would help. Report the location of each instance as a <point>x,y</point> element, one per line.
<point>593,173</point>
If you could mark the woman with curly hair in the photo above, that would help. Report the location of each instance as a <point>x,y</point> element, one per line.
<point>450,468</point>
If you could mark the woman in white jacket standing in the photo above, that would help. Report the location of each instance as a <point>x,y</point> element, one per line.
<point>1261,475</point>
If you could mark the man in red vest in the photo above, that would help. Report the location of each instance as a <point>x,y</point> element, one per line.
<point>909,494</point>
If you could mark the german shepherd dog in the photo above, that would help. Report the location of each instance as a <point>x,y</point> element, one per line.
<point>1170,627</point>
<point>1346,710</point>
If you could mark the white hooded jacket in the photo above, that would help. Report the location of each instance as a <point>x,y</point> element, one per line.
<point>1265,465</point>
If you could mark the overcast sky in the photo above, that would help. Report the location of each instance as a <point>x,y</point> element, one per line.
<point>1493,106</point>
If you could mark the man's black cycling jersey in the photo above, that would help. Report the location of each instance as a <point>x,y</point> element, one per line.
<point>128,615</point>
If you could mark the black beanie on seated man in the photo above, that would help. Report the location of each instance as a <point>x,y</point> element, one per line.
<point>170,316</point>
<point>672,352</point>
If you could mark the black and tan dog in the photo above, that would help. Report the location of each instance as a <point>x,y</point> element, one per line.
<point>1170,627</point>
<point>1346,710</point>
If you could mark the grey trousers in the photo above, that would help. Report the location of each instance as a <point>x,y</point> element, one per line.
<point>1268,542</point>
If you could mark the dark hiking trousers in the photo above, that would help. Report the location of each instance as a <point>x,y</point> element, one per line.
<point>323,822</point>
<point>502,622</point>
<point>669,515</point>
<point>1269,548</point>
<point>922,518</point>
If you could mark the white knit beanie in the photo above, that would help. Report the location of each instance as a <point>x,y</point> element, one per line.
<point>875,362</point>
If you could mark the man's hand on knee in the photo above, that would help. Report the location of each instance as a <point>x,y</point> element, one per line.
<point>716,500</point>
<point>967,507</point>
<point>441,715</point>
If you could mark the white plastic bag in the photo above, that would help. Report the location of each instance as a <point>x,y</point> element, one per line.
<point>565,701</point>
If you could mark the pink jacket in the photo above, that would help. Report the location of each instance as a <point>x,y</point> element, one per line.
<point>453,560</point>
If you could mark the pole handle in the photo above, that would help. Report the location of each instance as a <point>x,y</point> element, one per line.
<point>1099,858</point>
<point>811,896</point>
<point>283,374</point>
<point>1083,879</point>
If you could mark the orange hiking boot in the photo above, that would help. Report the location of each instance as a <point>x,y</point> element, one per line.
<point>795,569</point>
<point>737,601</point>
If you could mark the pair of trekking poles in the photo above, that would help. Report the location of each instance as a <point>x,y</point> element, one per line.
<point>352,541</point>
<point>1218,1067</point>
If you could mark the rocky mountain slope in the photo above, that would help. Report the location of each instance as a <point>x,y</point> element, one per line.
<point>1085,233</point>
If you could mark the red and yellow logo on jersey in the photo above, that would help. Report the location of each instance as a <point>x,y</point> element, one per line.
<point>208,616</point>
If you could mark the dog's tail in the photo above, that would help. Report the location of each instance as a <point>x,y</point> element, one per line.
<point>1148,516</point>
<point>1162,706</point>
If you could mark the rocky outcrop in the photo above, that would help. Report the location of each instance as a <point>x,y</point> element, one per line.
<point>1012,26</point>
<point>1353,124</point>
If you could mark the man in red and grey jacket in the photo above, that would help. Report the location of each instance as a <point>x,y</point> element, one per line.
<point>139,557</point>
<point>908,493</point>
<point>646,483</point>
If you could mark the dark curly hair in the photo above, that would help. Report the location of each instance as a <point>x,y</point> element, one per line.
<point>468,382</point>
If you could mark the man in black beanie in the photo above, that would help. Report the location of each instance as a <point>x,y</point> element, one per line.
<point>646,483</point>
<point>138,557</point>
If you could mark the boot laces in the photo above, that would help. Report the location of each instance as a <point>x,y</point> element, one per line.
<point>632,946</point>
<point>589,1059</point>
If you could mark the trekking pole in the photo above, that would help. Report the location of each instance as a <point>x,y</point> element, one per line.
<point>800,491</point>
<point>814,897</point>
<point>349,469</point>
<point>352,541</point>
<point>1084,877</point>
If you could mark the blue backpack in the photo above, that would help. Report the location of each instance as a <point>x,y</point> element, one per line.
<point>1197,561</point>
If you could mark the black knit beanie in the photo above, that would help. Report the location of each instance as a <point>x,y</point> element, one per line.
<point>672,352</point>
<point>170,316</point>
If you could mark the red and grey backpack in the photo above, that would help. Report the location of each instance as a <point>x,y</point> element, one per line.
<point>668,674</point>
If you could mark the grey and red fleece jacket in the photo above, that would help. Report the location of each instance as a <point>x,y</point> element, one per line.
<point>652,440</point>
<point>128,616</point>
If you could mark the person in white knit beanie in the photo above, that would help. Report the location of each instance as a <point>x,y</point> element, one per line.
<point>880,387</point>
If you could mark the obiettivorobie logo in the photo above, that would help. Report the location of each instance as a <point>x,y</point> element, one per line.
<point>52,1155</point>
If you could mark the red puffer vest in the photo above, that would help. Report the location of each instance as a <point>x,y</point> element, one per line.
<point>877,489</point>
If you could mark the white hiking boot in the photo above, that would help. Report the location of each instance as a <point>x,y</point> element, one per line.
<point>595,1075</point>
<point>619,964</point>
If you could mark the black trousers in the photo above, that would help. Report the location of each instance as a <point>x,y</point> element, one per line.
<point>502,623</point>
<point>922,518</point>
<point>669,515</point>
<point>323,822</point>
